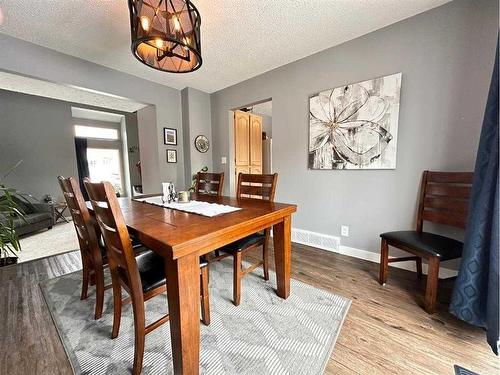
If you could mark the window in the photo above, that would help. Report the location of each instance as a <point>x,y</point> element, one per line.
<point>95,132</point>
<point>105,165</point>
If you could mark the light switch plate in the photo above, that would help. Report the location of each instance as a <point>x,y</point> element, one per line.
<point>223,160</point>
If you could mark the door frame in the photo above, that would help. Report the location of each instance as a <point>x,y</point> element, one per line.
<point>231,148</point>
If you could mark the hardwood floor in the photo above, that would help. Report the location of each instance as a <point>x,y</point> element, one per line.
<point>385,331</point>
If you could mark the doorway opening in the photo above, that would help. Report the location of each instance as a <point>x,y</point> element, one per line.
<point>251,141</point>
<point>102,148</point>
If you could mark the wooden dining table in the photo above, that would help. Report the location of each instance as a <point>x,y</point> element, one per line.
<point>181,238</point>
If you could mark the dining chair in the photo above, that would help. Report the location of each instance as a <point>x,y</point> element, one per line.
<point>143,277</point>
<point>250,186</point>
<point>444,200</point>
<point>92,251</point>
<point>209,183</point>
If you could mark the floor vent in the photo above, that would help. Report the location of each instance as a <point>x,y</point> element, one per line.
<point>319,240</point>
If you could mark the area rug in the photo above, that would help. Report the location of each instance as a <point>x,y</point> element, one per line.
<point>60,239</point>
<point>264,335</point>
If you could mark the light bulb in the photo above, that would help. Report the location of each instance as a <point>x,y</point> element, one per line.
<point>177,24</point>
<point>186,42</point>
<point>159,43</point>
<point>145,23</point>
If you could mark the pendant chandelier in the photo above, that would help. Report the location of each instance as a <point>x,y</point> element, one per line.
<point>166,34</point>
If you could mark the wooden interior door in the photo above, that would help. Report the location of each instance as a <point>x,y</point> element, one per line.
<point>256,144</point>
<point>241,139</point>
<point>247,143</point>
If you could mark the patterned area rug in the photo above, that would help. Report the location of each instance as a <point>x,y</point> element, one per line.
<point>264,335</point>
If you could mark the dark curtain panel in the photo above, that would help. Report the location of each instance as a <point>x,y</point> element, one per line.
<point>82,163</point>
<point>476,292</point>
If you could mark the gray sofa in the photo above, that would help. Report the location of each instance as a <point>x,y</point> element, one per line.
<point>37,216</point>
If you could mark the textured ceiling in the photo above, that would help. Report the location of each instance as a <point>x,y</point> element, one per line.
<point>240,38</point>
<point>32,86</point>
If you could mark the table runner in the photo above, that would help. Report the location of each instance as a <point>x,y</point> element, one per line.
<point>195,207</point>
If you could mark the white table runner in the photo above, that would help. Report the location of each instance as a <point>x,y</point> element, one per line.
<point>195,207</point>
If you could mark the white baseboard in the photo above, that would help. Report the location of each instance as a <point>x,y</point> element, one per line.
<point>333,243</point>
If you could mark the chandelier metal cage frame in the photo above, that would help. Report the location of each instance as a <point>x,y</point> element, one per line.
<point>166,34</point>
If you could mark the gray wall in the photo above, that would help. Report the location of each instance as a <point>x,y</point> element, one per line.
<point>196,120</point>
<point>267,125</point>
<point>133,140</point>
<point>32,60</point>
<point>446,57</point>
<point>40,132</point>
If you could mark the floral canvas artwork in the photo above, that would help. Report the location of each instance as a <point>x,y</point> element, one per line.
<point>355,126</point>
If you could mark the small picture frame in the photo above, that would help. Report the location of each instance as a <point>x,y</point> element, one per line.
<point>170,136</point>
<point>171,156</point>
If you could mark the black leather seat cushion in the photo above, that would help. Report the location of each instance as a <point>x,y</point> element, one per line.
<point>152,269</point>
<point>243,243</point>
<point>435,245</point>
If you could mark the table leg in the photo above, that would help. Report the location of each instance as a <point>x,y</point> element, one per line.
<point>183,292</point>
<point>282,236</point>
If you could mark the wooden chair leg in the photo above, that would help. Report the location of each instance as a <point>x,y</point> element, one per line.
<point>139,331</point>
<point>432,285</point>
<point>384,261</point>
<point>85,282</point>
<point>117,308</point>
<point>265,258</point>
<point>99,302</point>
<point>205,302</point>
<point>419,268</point>
<point>237,278</point>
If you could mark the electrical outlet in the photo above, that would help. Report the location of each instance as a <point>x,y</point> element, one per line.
<point>223,160</point>
<point>344,230</point>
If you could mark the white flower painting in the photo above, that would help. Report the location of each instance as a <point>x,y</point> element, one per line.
<point>355,126</point>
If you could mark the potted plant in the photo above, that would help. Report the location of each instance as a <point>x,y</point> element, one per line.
<point>9,241</point>
<point>193,180</point>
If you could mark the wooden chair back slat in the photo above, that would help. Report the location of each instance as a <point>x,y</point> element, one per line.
<point>447,190</point>
<point>444,198</point>
<point>450,177</point>
<point>209,183</point>
<point>446,204</point>
<point>104,216</point>
<point>83,222</point>
<point>258,186</point>
<point>259,178</point>
<point>442,217</point>
<point>116,237</point>
<point>262,191</point>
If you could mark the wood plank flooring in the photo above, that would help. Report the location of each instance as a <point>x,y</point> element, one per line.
<point>385,332</point>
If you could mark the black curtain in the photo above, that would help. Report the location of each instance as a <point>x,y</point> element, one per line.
<point>82,163</point>
<point>476,292</point>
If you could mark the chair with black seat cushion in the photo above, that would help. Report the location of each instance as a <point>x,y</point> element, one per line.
<point>250,186</point>
<point>143,277</point>
<point>92,250</point>
<point>444,199</point>
<point>209,183</point>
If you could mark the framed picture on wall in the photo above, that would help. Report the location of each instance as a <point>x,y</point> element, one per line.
<point>170,136</point>
<point>355,126</point>
<point>171,156</point>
